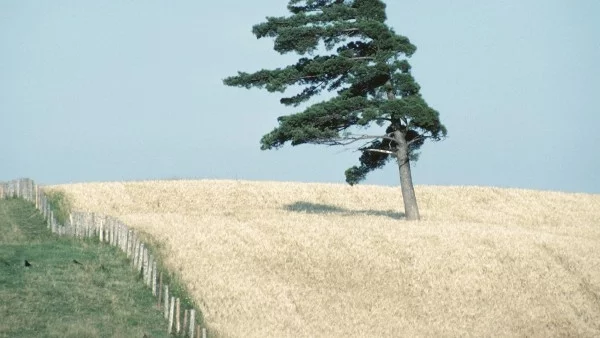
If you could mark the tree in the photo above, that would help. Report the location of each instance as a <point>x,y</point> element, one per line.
<point>346,47</point>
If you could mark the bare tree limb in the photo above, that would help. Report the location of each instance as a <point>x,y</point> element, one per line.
<point>420,137</point>
<point>344,141</point>
<point>362,58</point>
<point>381,151</point>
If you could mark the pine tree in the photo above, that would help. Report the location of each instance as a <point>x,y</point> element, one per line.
<point>346,47</point>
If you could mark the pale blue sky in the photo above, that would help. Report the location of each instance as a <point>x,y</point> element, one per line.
<point>132,90</point>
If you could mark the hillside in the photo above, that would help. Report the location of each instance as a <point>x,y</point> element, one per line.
<point>67,287</point>
<point>297,260</point>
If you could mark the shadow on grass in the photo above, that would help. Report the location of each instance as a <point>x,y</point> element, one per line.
<point>316,208</point>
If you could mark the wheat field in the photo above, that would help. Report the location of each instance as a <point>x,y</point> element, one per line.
<point>277,259</point>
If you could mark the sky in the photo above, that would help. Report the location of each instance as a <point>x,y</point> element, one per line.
<point>132,90</point>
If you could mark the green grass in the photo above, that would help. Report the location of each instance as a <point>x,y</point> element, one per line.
<point>60,204</point>
<point>177,286</point>
<point>100,296</point>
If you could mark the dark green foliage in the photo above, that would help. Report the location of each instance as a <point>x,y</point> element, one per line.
<point>346,47</point>
<point>369,161</point>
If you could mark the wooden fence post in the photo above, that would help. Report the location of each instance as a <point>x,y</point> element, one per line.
<point>52,222</point>
<point>36,195</point>
<point>125,236</point>
<point>80,220</point>
<point>192,322</point>
<point>45,212</point>
<point>115,238</point>
<point>111,232</point>
<point>135,252</point>
<point>91,225</point>
<point>185,324</point>
<point>147,266</point>
<point>107,222</point>
<point>140,258</point>
<point>150,266</point>
<point>130,243</point>
<point>101,230</point>
<point>154,272</point>
<point>120,235</point>
<point>159,289</point>
<point>71,223</point>
<point>166,301</point>
<point>171,314</point>
<point>120,238</point>
<point>177,316</point>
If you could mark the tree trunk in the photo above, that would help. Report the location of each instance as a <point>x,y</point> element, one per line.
<point>411,209</point>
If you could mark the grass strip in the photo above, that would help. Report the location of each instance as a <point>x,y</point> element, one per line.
<point>62,287</point>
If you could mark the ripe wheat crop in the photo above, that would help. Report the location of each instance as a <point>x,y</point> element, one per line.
<point>274,259</point>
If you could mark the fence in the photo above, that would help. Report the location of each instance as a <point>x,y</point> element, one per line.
<point>111,231</point>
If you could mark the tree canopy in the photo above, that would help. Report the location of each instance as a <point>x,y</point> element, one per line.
<point>347,48</point>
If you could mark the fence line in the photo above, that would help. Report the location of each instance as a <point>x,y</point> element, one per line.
<point>111,231</point>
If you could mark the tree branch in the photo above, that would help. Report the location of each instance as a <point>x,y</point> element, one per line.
<point>308,77</point>
<point>344,141</point>
<point>381,151</point>
<point>420,137</point>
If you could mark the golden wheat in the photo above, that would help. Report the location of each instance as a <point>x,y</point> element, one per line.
<point>276,259</point>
